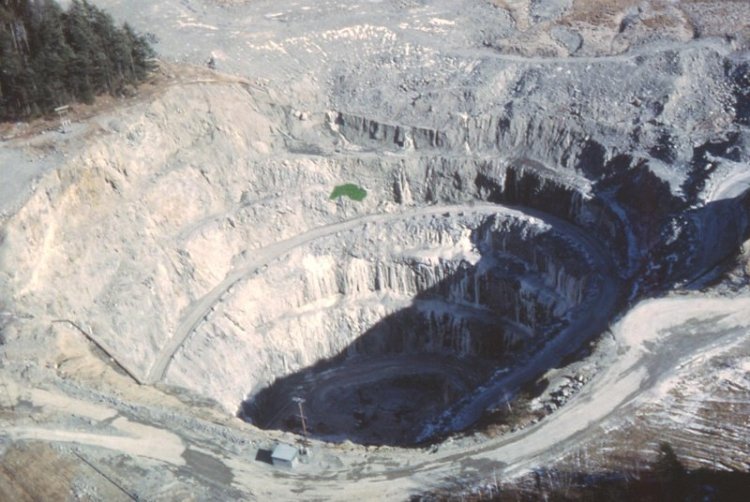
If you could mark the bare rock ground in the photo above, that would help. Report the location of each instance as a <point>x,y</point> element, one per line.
<point>130,244</point>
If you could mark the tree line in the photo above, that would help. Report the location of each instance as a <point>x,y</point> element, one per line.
<point>50,57</point>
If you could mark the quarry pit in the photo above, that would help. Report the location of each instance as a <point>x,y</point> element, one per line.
<point>555,221</point>
<point>406,318</point>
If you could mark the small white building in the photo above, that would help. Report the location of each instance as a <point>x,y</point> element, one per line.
<point>284,455</point>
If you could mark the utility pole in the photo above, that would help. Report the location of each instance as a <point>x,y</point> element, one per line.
<point>299,402</point>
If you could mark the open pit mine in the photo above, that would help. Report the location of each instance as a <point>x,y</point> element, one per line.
<point>547,268</point>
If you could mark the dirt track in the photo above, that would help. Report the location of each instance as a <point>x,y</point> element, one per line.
<point>439,68</point>
<point>260,258</point>
<point>648,355</point>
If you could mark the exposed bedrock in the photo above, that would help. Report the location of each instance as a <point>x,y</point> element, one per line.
<point>477,294</point>
<point>232,269</point>
<point>634,200</point>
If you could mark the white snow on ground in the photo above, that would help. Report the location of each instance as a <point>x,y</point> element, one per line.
<point>650,320</point>
<point>193,24</point>
<point>309,51</point>
<point>641,335</point>
<point>732,179</point>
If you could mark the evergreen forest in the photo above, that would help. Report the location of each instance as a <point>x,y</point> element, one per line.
<point>51,57</point>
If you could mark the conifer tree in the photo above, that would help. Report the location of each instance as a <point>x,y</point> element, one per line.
<point>49,57</point>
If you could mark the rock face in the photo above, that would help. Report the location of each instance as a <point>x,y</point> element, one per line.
<point>519,196</point>
<point>492,287</point>
<point>489,290</point>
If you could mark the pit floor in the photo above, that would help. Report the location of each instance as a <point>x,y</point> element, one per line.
<point>382,400</point>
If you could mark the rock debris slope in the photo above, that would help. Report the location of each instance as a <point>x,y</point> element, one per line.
<point>533,170</point>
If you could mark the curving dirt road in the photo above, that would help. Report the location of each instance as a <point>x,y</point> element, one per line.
<point>258,258</point>
<point>653,340</point>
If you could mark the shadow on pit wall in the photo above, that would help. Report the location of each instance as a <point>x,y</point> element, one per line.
<point>679,245</point>
<point>465,317</point>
